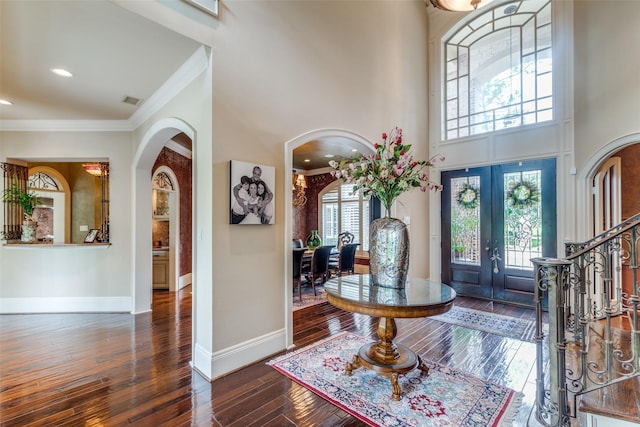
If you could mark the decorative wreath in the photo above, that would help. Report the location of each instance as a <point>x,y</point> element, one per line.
<point>523,194</point>
<point>468,196</point>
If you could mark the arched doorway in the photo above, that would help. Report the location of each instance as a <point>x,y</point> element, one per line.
<point>166,225</point>
<point>623,147</point>
<point>290,146</point>
<point>151,145</point>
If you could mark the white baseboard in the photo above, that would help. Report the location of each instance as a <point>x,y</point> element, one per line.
<point>602,421</point>
<point>215,365</point>
<point>66,305</point>
<point>184,280</point>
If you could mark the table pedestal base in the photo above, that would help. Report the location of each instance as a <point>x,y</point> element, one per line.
<point>387,358</point>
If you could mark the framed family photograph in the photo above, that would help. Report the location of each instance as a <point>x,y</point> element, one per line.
<point>91,235</point>
<point>252,197</point>
<point>209,6</point>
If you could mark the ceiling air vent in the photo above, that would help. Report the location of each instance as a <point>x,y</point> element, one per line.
<point>131,100</point>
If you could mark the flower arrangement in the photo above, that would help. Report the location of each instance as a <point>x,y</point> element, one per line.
<point>388,172</point>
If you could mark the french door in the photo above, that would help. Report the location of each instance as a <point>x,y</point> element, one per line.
<point>494,220</point>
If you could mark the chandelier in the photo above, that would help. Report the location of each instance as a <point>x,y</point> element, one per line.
<point>459,5</point>
<point>299,186</point>
<point>94,169</point>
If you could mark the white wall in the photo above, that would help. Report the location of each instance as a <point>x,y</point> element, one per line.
<point>596,104</point>
<point>281,69</point>
<point>97,277</point>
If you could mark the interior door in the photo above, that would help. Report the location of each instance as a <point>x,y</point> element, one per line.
<point>494,220</point>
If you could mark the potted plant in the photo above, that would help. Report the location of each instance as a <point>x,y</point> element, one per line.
<point>27,201</point>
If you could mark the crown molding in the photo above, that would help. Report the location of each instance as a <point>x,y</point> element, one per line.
<point>192,68</point>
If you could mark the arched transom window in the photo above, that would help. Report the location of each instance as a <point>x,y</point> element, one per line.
<point>162,181</point>
<point>498,70</point>
<point>43,181</point>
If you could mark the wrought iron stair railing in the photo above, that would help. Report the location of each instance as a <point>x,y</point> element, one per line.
<point>588,291</point>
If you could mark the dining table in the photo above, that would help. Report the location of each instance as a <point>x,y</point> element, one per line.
<point>308,254</point>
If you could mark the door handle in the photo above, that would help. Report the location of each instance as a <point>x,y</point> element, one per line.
<point>495,258</point>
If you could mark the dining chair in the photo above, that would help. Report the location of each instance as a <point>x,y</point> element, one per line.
<point>346,260</point>
<point>344,238</point>
<point>319,266</point>
<point>297,269</point>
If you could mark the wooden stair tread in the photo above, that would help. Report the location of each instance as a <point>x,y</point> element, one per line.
<point>620,400</point>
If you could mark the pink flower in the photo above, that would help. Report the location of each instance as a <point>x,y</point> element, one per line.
<point>387,172</point>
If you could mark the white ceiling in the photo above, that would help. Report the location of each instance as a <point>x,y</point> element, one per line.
<point>112,52</point>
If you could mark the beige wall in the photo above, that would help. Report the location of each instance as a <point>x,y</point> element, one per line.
<point>283,68</point>
<point>607,95</point>
<point>90,273</point>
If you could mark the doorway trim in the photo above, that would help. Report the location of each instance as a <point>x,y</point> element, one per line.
<point>585,178</point>
<point>289,146</point>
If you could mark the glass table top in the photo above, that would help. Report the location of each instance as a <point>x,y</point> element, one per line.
<point>418,292</point>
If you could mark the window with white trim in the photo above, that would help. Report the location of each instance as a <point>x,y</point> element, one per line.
<point>343,210</point>
<point>498,70</point>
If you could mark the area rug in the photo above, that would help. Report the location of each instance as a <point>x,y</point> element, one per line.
<point>506,326</point>
<point>445,397</point>
<point>309,299</point>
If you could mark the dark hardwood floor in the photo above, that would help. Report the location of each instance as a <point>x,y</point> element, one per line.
<point>118,369</point>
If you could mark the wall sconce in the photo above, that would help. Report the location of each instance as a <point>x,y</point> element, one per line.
<point>299,186</point>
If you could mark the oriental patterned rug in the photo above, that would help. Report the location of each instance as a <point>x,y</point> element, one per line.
<point>506,326</point>
<point>308,299</point>
<point>445,397</point>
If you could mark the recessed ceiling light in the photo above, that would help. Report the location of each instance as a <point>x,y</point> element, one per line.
<point>61,72</point>
<point>354,150</point>
<point>5,102</point>
<point>307,160</point>
<point>328,156</point>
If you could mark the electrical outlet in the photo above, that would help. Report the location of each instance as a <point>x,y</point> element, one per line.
<point>84,228</point>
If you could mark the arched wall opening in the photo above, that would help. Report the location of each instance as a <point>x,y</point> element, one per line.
<point>289,146</point>
<point>64,198</point>
<point>586,177</point>
<point>151,145</point>
<point>174,229</point>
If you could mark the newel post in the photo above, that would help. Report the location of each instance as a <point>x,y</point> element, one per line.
<point>551,277</point>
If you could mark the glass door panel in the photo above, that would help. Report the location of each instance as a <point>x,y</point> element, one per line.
<point>465,220</point>
<point>522,218</point>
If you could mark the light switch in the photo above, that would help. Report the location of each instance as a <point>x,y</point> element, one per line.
<point>84,228</point>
